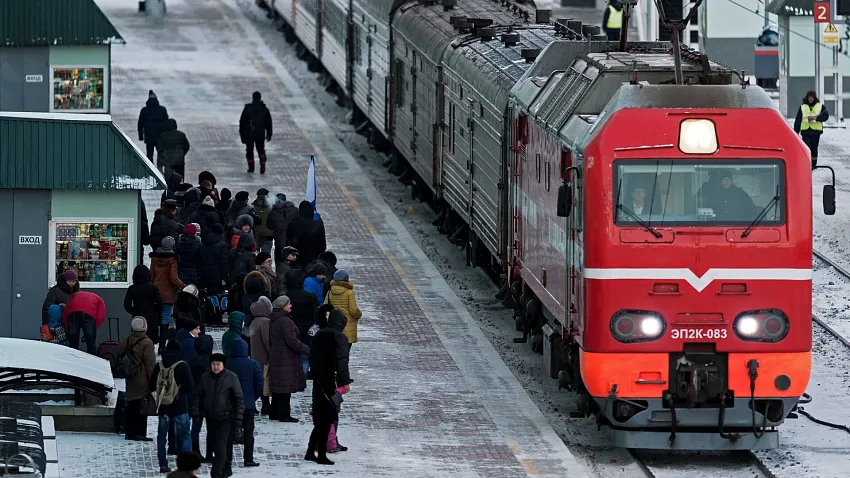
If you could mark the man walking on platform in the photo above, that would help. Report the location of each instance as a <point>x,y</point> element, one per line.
<point>255,128</point>
<point>151,124</point>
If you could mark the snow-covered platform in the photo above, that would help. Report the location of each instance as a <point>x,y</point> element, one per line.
<point>431,396</point>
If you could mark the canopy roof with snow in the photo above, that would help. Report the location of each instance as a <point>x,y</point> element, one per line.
<point>71,151</point>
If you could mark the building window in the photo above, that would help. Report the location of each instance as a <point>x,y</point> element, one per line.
<point>79,89</point>
<point>98,252</point>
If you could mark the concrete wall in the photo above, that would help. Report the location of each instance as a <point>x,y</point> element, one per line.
<point>106,204</point>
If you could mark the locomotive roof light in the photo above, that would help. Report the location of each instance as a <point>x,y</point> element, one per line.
<point>630,326</point>
<point>697,136</point>
<point>767,325</point>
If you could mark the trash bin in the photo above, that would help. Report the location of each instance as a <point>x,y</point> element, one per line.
<point>551,351</point>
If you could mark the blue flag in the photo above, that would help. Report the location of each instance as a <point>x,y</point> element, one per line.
<point>311,187</point>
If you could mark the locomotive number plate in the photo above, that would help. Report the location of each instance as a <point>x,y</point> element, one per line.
<point>686,334</point>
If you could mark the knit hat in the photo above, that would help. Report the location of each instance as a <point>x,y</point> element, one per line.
<point>167,243</point>
<point>341,275</point>
<point>188,461</point>
<point>317,269</point>
<point>70,274</point>
<point>289,250</point>
<point>217,228</point>
<point>242,196</point>
<point>190,324</point>
<point>151,94</point>
<point>281,302</point>
<point>280,197</point>
<point>198,228</point>
<point>263,192</point>
<point>218,358</point>
<point>208,201</point>
<point>191,289</point>
<point>190,229</point>
<point>139,324</point>
<point>262,257</point>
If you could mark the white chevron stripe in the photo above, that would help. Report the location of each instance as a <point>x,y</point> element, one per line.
<point>699,283</point>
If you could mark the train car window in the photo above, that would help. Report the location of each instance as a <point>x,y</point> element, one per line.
<point>399,83</point>
<point>546,178</point>
<point>452,122</point>
<point>537,161</point>
<point>481,109</point>
<point>461,92</point>
<point>699,193</point>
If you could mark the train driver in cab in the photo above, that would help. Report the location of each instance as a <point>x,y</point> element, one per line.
<point>728,202</point>
<point>638,205</point>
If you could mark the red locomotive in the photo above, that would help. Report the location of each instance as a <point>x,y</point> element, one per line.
<point>655,219</point>
<point>666,231</point>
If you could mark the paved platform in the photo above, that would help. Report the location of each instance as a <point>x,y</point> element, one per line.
<point>432,397</point>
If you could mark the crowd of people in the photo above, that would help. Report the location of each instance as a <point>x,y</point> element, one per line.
<point>259,268</point>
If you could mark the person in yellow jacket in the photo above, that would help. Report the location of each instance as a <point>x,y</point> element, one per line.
<point>612,19</point>
<point>809,123</point>
<point>341,297</point>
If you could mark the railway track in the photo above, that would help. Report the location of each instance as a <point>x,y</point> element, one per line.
<point>666,464</point>
<point>844,276</point>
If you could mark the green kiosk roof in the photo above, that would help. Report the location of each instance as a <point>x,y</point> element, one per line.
<point>55,22</point>
<point>71,151</point>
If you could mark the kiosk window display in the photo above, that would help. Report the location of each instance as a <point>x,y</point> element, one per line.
<point>98,250</point>
<point>79,89</point>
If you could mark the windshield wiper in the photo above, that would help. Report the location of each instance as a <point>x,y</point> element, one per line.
<point>631,213</point>
<point>640,221</point>
<point>762,214</point>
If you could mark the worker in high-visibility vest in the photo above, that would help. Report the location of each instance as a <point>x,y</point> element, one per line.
<point>612,20</point>
<point>809,123</point>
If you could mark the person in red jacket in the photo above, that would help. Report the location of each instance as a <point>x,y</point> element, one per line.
<point>85,311</point>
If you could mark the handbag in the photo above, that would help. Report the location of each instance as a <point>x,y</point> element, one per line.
<point>336,401</point>
<point>46,335</point>
<point>149,408</point>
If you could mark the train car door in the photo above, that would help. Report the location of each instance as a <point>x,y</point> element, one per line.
<point>575,255</point>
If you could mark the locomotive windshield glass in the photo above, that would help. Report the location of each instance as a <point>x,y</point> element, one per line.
<point>699,193</point>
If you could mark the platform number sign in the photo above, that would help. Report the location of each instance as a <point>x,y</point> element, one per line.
<point>822,12</point>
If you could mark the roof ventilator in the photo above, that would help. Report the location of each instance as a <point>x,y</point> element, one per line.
<point>480,22</point>
<point>543,16</point>
<point>510,39</point>
<point>530,54</point>
<point>449,4</point>
<point>454,20</point>
<point>486,33</point>
<point>574,28</point>
<point>590,30</point>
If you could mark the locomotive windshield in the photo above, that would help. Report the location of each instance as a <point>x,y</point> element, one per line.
<point>699,193</point>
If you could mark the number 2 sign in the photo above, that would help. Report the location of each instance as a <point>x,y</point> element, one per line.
<point>822,12</point>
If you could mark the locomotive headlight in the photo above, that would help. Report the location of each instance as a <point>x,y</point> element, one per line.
<point>697,136</point>
<point>747,326</point>
<point>628,326</point>
<point>766,325</point>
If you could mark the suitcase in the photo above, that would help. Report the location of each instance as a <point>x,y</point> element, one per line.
<point>110,349</point>
<point>119,417</point>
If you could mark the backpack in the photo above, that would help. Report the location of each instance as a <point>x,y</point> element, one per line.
<point>125,365</point>
<point>166,385</point>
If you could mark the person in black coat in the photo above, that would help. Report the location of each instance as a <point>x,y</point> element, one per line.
<point>151,123</point>
<point>200,364</point>
<point>173,183</point>
<point>191,203</point>
<point>206,215</point>
<point>235,293</point>
<point>281,214</point>
<point>172,148</point>
<point>238,207</point>
<point>214,252</point>
<point>304,305</point>
<point>164,225</point>
<point>178,411</point>
<point>225,202</point>
<point>242,259</point>
<point>307,235</point>
<point>220,401</point>
<point>329,365</point>
<point>188,250</point>
<point>255,287</point>
<point>142,300</point>
<point>255,128</point>
<point>250,376</point>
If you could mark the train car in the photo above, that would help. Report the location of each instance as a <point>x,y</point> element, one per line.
<point>370,62</point>
<point>307,24</point>
<point>666,230</point>
<point>479,70</point>
<point>421,34</point>
<point>335,41</point>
